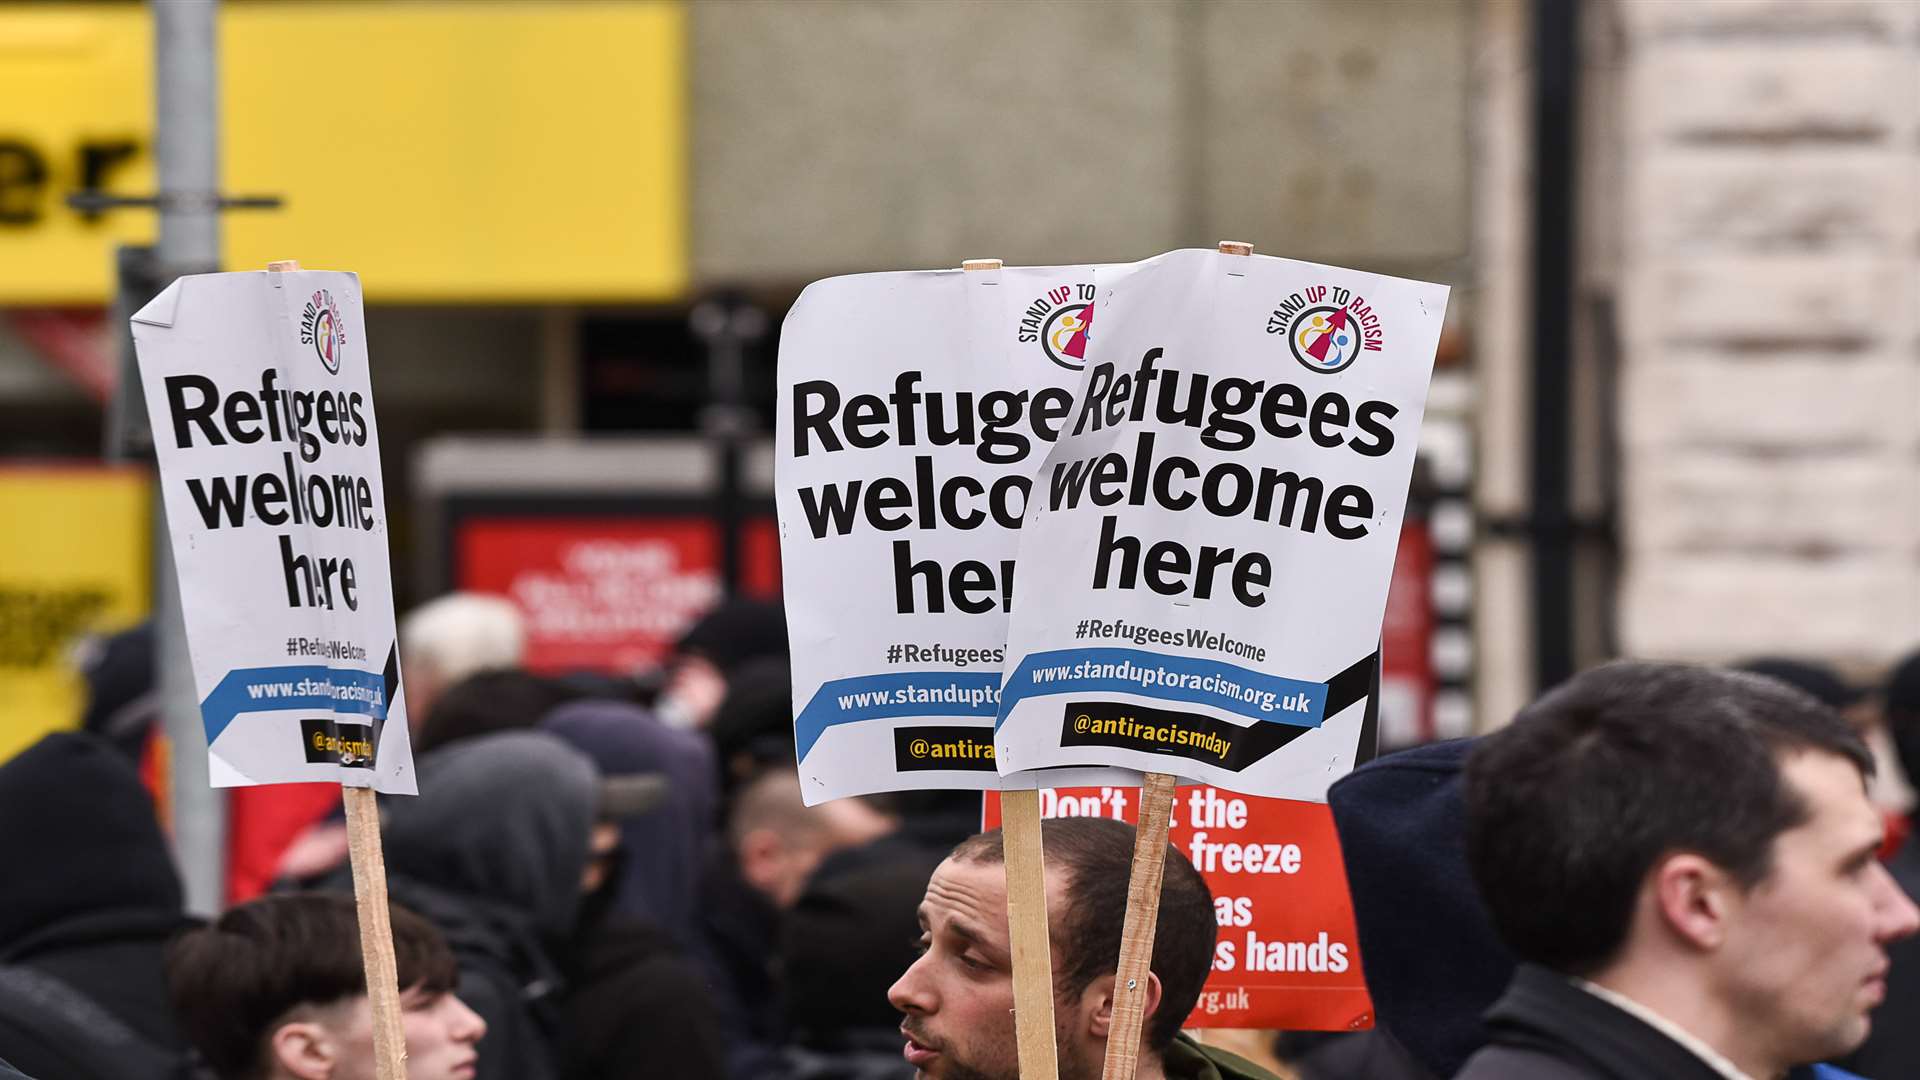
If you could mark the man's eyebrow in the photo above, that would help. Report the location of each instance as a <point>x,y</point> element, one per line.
<point>960,928</point>
<point>1868,848</point>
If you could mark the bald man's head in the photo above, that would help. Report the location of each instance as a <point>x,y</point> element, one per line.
<point>778,841</point>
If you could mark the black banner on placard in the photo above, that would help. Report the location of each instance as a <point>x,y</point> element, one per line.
<point>326,740</point>
<point>922,749</point>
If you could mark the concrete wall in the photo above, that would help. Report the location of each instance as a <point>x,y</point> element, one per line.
<point>845,135</point>
<point>1767,282</point>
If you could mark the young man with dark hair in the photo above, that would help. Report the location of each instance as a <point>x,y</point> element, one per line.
<point>958,997</point>
<point>274,990</point>
<point>1683,859</point>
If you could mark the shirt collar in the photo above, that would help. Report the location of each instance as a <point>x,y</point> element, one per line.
<point>1714,1059</point>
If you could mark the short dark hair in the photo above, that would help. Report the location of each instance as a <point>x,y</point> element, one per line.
<point>1096,857</point>
<point>232,982</point>
<point>486,702</point>
<point>1569,808</point>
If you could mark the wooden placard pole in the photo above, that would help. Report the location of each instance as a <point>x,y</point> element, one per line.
<point>376,932</point>
<point>370,897</point>
<point>1143,899</point>
<point>1136,932</point>
<point>1027,910</point>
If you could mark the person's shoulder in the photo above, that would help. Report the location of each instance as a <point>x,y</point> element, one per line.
<point>1499,1062</point>
<point>1189,1060</point>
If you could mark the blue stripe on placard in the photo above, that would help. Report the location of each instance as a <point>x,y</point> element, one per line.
<point>303,686</point>
<point>893,694</point>
<point>1198,681</point>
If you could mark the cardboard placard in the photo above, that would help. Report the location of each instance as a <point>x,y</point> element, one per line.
<point>1288,954</point>
<point>1214,528</point>
<point>262,409</point>
<point>913,408</point>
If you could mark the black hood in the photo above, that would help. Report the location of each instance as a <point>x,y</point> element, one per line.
<point>1432,960</point>
<point>81,841</point>
<point>502,818</point>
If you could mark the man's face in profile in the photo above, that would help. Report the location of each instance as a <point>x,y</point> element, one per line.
<point>442,1034</point>
<point>958,997</point>
<point>1805,957</point>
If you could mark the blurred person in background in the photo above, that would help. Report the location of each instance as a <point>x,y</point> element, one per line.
<point>773,844</point>
<point>666,848</point>
<point>442,642</point>
<point>1432,960</point>
<point>479,704</point>
<point>958,994</point>
<point>1684,861</point>
<point>485,702</point>
<point>91,899</point>
<point>121,706</point>
<point>275,990</point>
<point>451,637</point>
<point>1893,1047</point>
<point>752,730</point>
<point>511,848</point>
<point>696,675</point>
<point>846,939</point>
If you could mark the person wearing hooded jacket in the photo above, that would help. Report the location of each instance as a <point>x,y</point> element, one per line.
<point>499,850</point>
<point>91,900</point>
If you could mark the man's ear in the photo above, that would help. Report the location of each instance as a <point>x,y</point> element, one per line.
<point>1099,994</point>
<point>762,858</point>
<point>304,1049</point>
<point>1693,898</point>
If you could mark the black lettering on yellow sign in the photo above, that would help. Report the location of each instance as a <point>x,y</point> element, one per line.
<point>36,624</point>
<point>28,182</point>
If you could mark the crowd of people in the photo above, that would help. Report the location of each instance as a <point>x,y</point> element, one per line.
<point>1656,871</point>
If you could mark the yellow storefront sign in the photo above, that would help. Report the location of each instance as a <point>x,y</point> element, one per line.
<point>74,559</point>
<point>455,152</point>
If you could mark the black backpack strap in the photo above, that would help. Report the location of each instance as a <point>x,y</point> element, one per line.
<point>60,1022</point>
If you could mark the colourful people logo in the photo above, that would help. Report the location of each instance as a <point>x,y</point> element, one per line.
<point>1324,339</point>
<point>320,327</point>
<point>1066,337</point>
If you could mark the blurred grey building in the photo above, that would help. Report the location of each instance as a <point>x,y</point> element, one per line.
<point>1718,458</point>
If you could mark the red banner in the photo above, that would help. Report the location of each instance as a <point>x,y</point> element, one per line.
<point>606,593</point>
<point>1288,955</point>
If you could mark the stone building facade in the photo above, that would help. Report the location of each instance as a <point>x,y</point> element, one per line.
<point>1758,182</point>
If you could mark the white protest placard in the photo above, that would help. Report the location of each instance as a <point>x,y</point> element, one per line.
<point>913,408</point>
<point>262,411</point>
<point>1209,542</point>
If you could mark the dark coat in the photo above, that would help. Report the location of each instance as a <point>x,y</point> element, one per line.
<point>1188,1060</point>
<point>492,851</point>
<point>98,912</point>
<point>739,941</point>
<point>623,970</point>
<point>1546,1028</point>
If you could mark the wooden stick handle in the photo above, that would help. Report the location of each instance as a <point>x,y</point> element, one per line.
<point>1027,921</point>
<point>1136,933</point>
<point>376,932</point>
<point>1027,909</point>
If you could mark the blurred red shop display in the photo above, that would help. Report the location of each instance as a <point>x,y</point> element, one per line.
<point>612,547</point>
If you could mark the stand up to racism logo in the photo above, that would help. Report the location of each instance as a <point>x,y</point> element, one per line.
<point>322,328</point>
<point>1060,321</point>
<point>1327,327</point>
